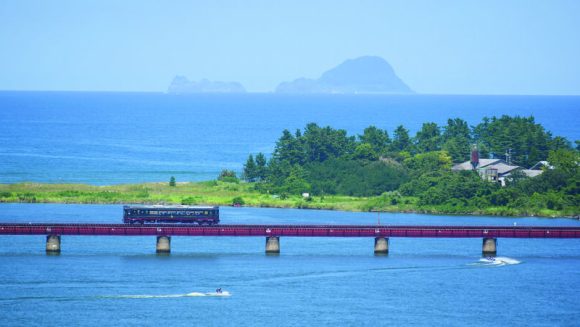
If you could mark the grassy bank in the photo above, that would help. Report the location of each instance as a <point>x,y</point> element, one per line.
<point>223,194</point>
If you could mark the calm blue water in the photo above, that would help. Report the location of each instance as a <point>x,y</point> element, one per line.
<point>106,138</point>
<point>315,281</point>
<point>102,138</point>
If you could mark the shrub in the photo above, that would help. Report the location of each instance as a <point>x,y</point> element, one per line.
<point>190,200</point>
<point>238,201</point>
<point>228,176</point>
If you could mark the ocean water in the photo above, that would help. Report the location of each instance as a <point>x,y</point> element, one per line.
<point>101,281</point>
<point>109,138</point>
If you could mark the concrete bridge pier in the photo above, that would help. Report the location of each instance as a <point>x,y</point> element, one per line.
<point>489,247</point>
<point>53,244</point>
<point>163,244</point>
<point>381,245</point>
<point>272,245</point>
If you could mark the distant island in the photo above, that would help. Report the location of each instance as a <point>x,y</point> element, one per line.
<point>181,85</point>
<point>368,74</point>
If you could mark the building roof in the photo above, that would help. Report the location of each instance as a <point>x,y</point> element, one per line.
<point>540,164</point>
<point>502,168</point>
<point>532,173</point>
<point>482,163</point>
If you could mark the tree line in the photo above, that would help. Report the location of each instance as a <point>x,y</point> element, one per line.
<point>323,160</point>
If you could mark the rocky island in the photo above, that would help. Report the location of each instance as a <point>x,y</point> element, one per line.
<point>368,74</point>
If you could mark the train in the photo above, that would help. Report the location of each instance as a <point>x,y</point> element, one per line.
<point>182,214</point>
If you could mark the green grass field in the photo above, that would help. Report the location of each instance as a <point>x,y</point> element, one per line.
<point>223,194</point>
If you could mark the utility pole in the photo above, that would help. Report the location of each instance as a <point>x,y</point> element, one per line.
<point>508,156</point>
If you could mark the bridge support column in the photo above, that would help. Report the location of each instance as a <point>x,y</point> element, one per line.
<point>489,247</point>
<point>381,245</point>
<point>163,244</point>
<point>53,244</point>
<point>272,244</point>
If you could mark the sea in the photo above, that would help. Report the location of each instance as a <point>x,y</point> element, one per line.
<point>112,138</point>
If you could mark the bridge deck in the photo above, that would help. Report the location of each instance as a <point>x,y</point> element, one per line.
<point>291,230</point>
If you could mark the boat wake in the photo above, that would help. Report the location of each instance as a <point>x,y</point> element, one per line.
<point>496,262</point>
<point>169,296</point>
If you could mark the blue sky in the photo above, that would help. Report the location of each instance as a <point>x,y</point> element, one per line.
<point>439,47</point>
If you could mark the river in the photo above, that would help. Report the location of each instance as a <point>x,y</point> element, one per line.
<point>100,281</point>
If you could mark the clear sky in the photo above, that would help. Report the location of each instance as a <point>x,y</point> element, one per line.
<point>449,47</point>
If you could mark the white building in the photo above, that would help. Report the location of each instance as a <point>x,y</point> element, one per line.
<point>497,169</point>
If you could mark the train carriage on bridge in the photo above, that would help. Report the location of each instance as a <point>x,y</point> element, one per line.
<point>201,215</point>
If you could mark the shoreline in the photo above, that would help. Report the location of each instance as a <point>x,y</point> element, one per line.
<point>226,194</point>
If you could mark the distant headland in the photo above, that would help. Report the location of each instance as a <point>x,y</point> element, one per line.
<point>362,75</point>
<point>368,74</point>
<point>181,85</point>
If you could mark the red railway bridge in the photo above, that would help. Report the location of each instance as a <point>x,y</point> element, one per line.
<point>381,233</point>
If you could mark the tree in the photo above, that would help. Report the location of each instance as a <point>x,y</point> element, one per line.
<point>446,187</point>
<point>321,144</point>
<point>401,140</point>
<point>525,141</point>
<point>429,162</point>
<point>261,169</point>
<point>250,170</point>
<point>559,142</point>
<point>515,177</point>
<point>296,182</point>
<point>365,152</point>
<point>172,181</point>
<point>278,171</point>
<point>289,148</point>
<point>378,139</point>
<point>428,138</point>
<point>565,160</point>
<point>457,139</point>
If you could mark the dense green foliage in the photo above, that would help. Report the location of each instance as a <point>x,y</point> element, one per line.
<point>526,141</point>
<point>326,161</point>
<point>323,160</point>
<point>354,177</point>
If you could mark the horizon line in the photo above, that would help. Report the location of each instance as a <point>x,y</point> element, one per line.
<point>286,94</point>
